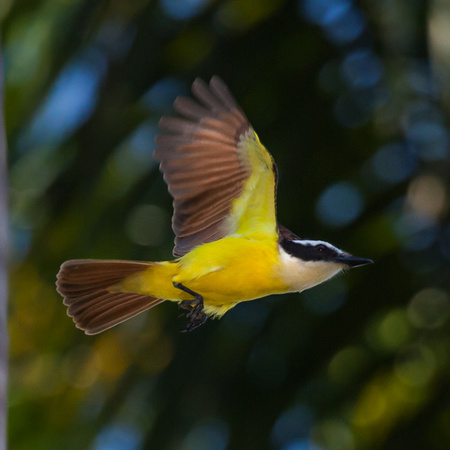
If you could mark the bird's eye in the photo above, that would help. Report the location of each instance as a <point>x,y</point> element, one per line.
<point>320,248</point>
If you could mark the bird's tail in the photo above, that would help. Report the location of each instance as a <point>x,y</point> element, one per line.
<point>88,289</point>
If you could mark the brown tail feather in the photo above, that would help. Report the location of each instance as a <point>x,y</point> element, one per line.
<point>85,284</point>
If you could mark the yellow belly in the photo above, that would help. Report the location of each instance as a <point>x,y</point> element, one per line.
<point>224,272</point>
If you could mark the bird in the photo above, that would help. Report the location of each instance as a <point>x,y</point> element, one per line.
<point>229,246</point>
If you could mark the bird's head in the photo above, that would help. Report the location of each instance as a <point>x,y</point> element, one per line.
<point>312,262</point>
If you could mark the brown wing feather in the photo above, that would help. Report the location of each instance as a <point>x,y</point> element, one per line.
<point>286,233</point>
<point>199,159</point>
<point>85,286</point>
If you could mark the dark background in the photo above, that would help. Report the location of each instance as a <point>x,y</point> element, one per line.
<point>351,98</point>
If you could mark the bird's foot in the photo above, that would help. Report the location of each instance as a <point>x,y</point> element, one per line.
<point>195,312</point>
<point>195,320</point>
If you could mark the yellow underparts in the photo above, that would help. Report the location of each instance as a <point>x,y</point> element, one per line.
<point>224,272</point>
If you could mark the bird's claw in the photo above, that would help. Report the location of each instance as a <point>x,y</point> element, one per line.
<point>195,313</point>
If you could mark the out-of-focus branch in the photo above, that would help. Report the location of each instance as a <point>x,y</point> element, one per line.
<point>439,43</point>
<point>3,269</point>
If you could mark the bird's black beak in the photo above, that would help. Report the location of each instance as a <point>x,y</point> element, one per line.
<point>353,261</point>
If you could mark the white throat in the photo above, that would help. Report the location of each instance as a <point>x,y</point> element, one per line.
<point>300,275</point>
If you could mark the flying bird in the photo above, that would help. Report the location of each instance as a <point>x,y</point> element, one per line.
<point>229,246</point>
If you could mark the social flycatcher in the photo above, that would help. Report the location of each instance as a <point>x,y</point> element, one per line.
<point>229,247</point>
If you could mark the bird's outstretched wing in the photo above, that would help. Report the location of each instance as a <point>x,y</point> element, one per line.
<point>222,179</point>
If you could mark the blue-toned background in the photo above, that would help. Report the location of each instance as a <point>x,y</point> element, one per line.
<point>352,99</point>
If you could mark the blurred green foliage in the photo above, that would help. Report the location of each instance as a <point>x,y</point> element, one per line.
<point>351,98</point>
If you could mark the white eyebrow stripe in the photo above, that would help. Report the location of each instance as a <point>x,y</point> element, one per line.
<point>313,242</point>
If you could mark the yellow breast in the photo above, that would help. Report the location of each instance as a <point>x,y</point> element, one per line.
<point>233,269</point>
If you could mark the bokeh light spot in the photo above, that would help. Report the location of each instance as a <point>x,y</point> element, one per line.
<point>334,435</point>
<point>301,444</point>
<point>324,11</point>
<point>238,15</point>
<point>183,9</point>
<point>429,139</point>
<point>118,437</point>
<point>371,406</point>
<point>346,27</point>
<point>390,331</point>
<point>362,69</point>
<point>347,364</point>
<point>161,95</point>
<point>394,329</point>
<point>294,424</point>
<point>392,163</point>
<point>341,20</point>
<point>427,195</point>
<point>416,365</point>
<point>212,435</point>
<point>429,308</point>
<point>340,204</point>
<point>416,231</point>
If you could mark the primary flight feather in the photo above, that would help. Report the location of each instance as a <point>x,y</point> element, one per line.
<point>228,245</point>
<point>216,169</point>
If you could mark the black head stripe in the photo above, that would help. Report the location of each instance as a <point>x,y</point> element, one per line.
<point>308,252</point>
